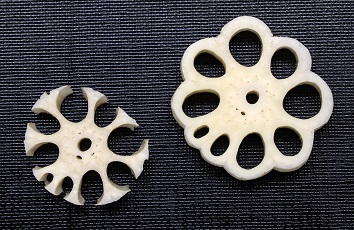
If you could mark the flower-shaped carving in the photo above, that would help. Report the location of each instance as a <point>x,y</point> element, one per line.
<point>235,117</point>
<point>73,161</point>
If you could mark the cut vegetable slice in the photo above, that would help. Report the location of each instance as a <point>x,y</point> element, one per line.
<point>73,160</point>
<point>251,100</point>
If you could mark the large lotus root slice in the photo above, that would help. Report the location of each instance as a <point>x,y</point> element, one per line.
<point>72,161</point>
<point>235,117</point>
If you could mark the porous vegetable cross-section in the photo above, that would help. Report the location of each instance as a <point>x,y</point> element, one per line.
<point>74,162</point>
<point>236,117</point>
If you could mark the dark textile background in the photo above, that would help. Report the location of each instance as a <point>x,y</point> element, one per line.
<point>131,52</point>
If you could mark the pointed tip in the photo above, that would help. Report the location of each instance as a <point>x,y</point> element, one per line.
<point>139,158</point>
<point>85,91</point>
<point>143,149</point>
<point>124,120</point>
<point>146,142</point>
<point>55,97</point>
<point>73,198</point>
<point>114,193</point>
<point>32,125</point>
<point>33,139</point>
<point>66,87</point>
<point>62,93</point>
<point>95,98</point>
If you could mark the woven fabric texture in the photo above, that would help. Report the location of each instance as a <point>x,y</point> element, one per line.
<point>131,51</point>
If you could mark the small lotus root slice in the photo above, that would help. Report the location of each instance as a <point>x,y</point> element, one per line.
<point>74,162</point>
<point>235,117</point>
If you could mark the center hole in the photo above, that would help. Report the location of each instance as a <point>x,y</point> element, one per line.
<point>85,144</point>
<point>252,97</point>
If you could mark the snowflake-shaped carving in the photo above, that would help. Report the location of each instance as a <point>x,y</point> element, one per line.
<point>72,161</point>
<point>234,117</point>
